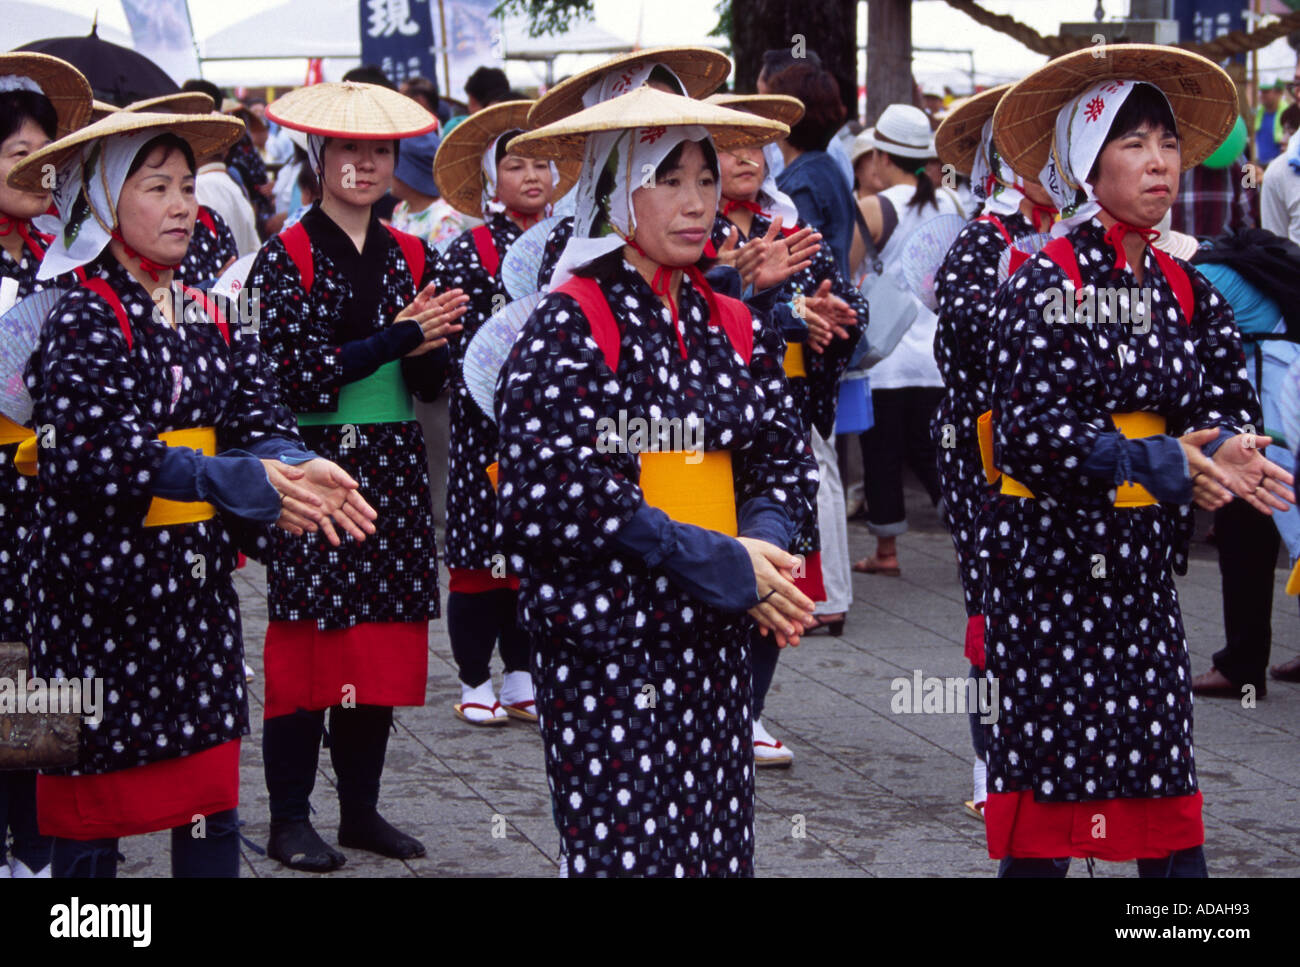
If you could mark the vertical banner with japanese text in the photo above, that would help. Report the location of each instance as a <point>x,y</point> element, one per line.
<point>397,35</point>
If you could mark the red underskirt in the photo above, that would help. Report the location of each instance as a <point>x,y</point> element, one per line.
<point>811,583</point>
<point>1018,826</point>
<point>143,799</point>
<point>975,641</point>
<point>385,663</point>
<point>465,580</point>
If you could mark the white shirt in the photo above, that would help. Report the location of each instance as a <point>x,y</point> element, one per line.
<point>1279,196</point>
<point>218,191</point>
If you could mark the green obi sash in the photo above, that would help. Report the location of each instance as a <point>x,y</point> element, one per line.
<point>381,397</point>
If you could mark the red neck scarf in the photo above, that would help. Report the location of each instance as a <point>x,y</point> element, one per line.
<point>731,204</point>
<point>148,265</point>
<point>523,221</point>
<point>1115,238</point>
<point>661,285</point>
<point>24,229</point>
<point>1042,213</point>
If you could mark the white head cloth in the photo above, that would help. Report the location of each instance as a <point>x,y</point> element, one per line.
<point>632,154</point>
<point>775,201</point>
<point>1081,129</point>
<point>17,82</point>
<point>94,174</point>
<point>1008,189</point>
<point>489,201</point>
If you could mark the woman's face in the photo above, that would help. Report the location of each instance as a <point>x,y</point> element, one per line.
<point>1137,175</point>
<point>524,185</point>
<point>864,172</point>
<point>675,214</point>
<point>357,172</point>
<point>21,204</point>
<point>157,207</point>
<point>742,171</point>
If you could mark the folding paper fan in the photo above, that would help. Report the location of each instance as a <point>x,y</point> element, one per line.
<point>1030,244</point>
<point>231,281</point>
<point>20,330</point>
<point>923,253</point>
<point>523,259</point>
<point>487,351</point>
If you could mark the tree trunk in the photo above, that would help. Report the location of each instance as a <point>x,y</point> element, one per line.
<point>828,27</point>
<point>889,55</point>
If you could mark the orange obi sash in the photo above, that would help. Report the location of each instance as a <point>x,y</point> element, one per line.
<point>162,512</point>
<point>1134,426</point>
<point>794,361</point>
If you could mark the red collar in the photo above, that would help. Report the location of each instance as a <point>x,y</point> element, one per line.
<point>731,204</point>
<point>148,265</point>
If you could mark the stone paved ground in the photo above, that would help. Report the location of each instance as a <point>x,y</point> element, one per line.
<point>878,794</point>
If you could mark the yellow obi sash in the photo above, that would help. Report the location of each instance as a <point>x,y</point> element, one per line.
<point>11,432</point>
<point>162,512</point>
<point>794,361</point>
<point>702,492</point>
<point>1134,426</point>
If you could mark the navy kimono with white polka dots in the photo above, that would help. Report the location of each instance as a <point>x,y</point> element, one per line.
<point>210,249</point>
<point>149,611</point>
<point>392,576</point>
<point>471,501</point>
<point>644,693</point>
<point>966,284</point>
<point>1085,636</point>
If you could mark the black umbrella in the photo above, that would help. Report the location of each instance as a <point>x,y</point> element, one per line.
<point>116,74</point>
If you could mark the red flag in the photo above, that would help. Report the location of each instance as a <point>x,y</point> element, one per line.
<point>314,74</point>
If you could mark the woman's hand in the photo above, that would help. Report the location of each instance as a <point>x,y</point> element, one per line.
<point>436,312</point>
<point>746,259</point>
<point>1252,476</point>
<point>1209,483</point>
<point>318,494</point>
<point>828,317</point>
<point>783,608</point>
<point>786,256</point>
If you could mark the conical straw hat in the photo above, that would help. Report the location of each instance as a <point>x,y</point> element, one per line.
<point>102,109</point>
<point>958,139</point>
<point>349,109</point>
<point>182,102</point>
<point>646,107</point>
<point>1201,94</point>
<point>701,69</point>
<point>457,167</point>
<point>58,80</point>
<point>775,107</point>
<point>207,134</point>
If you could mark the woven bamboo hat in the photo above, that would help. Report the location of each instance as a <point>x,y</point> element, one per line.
<point>1201,95</point>
<point>646,107</point>
<point>349,109</point>
<point>775,107</point>
<point>457,167</point>
<point>182,102</point>
<point>701,69</point>
<point>958,139</point>
<point>207,134</point>
<point>102,109</point>
<point>58,80</point>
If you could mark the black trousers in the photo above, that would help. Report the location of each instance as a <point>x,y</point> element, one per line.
<point>291,747</point>
<point>215,853</point>
<point>764,653</point>
<point>901,433</point>
<point>475,624</point>
<point>18,813</point>
<point>1248,544</point>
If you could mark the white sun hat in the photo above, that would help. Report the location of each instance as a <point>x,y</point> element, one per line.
<point>901,130</point>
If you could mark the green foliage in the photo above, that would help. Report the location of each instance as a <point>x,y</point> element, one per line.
<point>725,21</point>
<point>547,16</point>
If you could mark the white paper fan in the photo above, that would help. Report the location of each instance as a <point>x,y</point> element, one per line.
<point>487,351</point>
<point>231,281</point>
<point>923,253</point>
<point>20,331</point>
<point>523,259</point>
<point>1030,244</point>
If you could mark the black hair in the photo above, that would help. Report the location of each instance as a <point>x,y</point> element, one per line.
<point>370,74</point>
<point>205,87</point>
<point>1144,106</point>
<point>503,143</point>
<point>16,107</point>
<point>662,75</point>
<point>776,60</point>
<point>924,194</point>
<point>1291,117</point>
<point>488,85</point>
<point>819,93</point>
<point>424,87</point>
<point>171,142</point>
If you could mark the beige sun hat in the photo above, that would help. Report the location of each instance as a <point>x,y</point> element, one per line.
<point>1200,93</point>
<point>701,69</point>
<point>457,167</point>
<point>58,80</point>
<point>775,107</point>
<point>349,109</point>
<point>206,134</point>
<point>901,130</point>
<point>182,102</point>
<point>646,107</point>
<point>958,139</point>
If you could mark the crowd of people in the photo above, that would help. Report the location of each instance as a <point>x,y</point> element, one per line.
<point>732,264</point>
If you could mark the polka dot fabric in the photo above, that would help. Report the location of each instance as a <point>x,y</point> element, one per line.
<point>1085,636</point>
<point>393,574</point>
<point>471,501</point>
<point>966,284</point>
<point>210,249</point>
<point>149,611</point>
<point>644,693</point>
